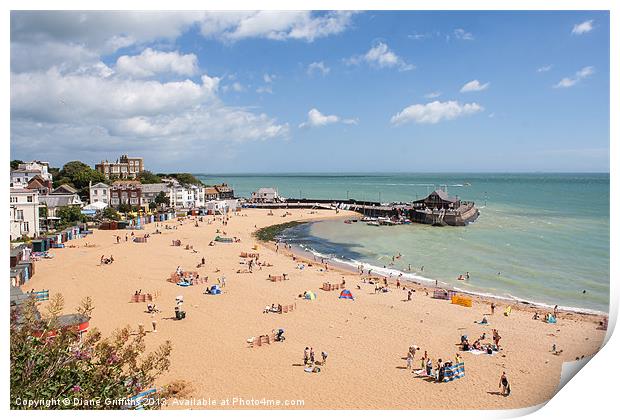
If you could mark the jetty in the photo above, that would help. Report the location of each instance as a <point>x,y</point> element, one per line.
<point>437,209</point>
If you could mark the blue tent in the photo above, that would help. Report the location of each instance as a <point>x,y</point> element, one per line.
<point>215,290</point>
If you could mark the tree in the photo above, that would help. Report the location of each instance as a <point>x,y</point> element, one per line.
<point>187,179</point>
<point>152,206</point>
<point>69,215</point>
<point>147,177</point>
<point>15,163</point>
<point>124,208</point>
<point>162,198</point>
<point>110,213</point>
<point>52,363</point>
<point>79,175</point>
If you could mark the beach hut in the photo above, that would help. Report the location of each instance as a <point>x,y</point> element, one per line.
<point>346,294</point>
<point>309,295</point>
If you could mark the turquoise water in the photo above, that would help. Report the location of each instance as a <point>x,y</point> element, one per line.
<point>540,237</point>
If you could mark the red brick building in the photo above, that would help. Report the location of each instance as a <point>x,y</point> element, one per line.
<point>126,192</point>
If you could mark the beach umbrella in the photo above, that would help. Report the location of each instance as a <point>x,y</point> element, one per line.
<point>309,295</point>
<point>346,294</point>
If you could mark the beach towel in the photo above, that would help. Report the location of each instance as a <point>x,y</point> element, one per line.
<point>508,310</point>
<point>478,352</point>
<point>454,372</point>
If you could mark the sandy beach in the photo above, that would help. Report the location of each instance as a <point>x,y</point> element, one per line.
<point>366,339</point>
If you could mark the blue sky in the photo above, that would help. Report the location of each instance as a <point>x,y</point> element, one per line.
<point>313,92</point>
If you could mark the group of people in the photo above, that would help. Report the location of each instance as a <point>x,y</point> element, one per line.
<point>310,361</point>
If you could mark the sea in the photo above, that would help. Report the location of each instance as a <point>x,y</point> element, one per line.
<point>542,238</point>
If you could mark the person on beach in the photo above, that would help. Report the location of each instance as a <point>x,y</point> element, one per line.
<point>504,385</point>
<point>409,295</point>
<point>409,361</point>
<point>492,308</point>
<point>311,355</point>
<point>306,355</point>
<point>496,338</point>
<point>555,311</point>
<point>324,358</point>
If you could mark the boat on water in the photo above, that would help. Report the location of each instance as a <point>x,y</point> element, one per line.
<point>348,222</point>
<point>373,223</point>
<point>369,219</point>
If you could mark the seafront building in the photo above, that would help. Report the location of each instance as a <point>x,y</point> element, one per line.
<point>151,191</point>
<point>125,192</point>
<point>265,195</point>
<point>28,170</point>
<point>224,192</point>
<point>99,193</point>
<point>186,196</point>
<point>124,168</point>
<point>24,213</point>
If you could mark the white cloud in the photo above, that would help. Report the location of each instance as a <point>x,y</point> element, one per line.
<point>276,25</point>
<point>474,86</point>
<point>317,119</point>
<point>235,87</point>
<point>464,35</point>
<point>432,95</point>
<point>269,78</point>
<point>318,67</point>
<point>150,62</point>
<point>434,112</point>
<point>381,56</point>
<point>264,89</point>
<point>567,82</point>
<point>544,69</point>
<point>65,100</point>
<point>583,27</point>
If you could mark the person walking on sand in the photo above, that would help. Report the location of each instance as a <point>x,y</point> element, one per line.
<point>324,357</point>
<point>492,308</point>
<point>409,361</point>
<point>504,385</point>
<point>496,338</point>
<point>306,356</point>
<point>311,355</point>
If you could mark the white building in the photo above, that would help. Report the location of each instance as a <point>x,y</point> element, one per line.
<point>99,192</point>
<point>265,195</point>
<point>24,213</point>
<point>185,196</point>
<point>27,170</point>
<point>221,206</point>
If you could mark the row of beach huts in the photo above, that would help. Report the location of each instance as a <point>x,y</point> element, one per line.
<point>24,256</point>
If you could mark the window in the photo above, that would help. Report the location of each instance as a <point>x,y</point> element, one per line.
<point>114,201</point>
<point>13,199</point>
<point>19,214</point>
<point>134,201</point>
<point>26,227</point>
<point>95,192</point>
